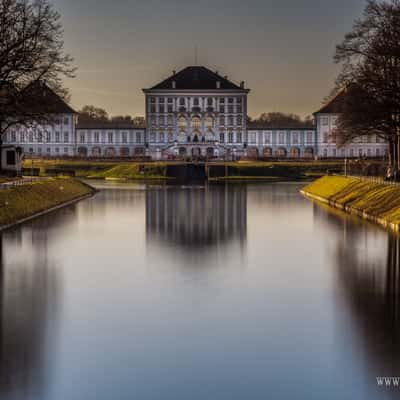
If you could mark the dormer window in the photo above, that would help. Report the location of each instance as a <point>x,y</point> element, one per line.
<point>173,85</point>
<point>218,85</point>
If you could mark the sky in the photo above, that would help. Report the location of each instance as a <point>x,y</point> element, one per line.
<point>282,49</point>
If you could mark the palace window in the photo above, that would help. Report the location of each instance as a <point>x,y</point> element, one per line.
<point>334,152</point>
<point>96,137</point>
<point>170,108</point>
<point>22,137</point>
<point>152,99</point>
<point>239,120</point>
<point>230,100</point>
<point>66,137</point>
<point>378,153</point>
<point>13,136</point>
<point>57,137</point>
<point>161,120</point>
<point>239,100</point>
<point>138,137</point>
<point>230,137</point>
<point>252,137</point>
<point>295,138</point>
<point>239,109</point>
<point>48,136</point>
<point>66,150</point>
<point>196,101</point>
<point>181,101</point>
<point>222,100</point>
<point>230,120</point>
<point>153,108</point>
<point>221,109</point>
<point>230,109</point>
<point>66,121</point>
<point>170,100</point>
<point>281,137</point>
<point>209,122</point>
<point>360,152</point>
<point>170,136</point>
<point>82,138</point>
<point>161,100</point>
<point>110,137</point>
<point>325,121</point>
<point>222,137</point>
<point>153,120</point>
<point>57,121</point>
<point>182,122</point>
<point>310,137</point>
<point>57,150</point>
<point>170,120</point>
<point>209,101</point>
<point>39,150</point>
<point>30,137</point>
<point>161,137</point>
<point>124,137</point>
<point>239,137</point>
<point>222,120</point>
<point>161,108</point>
<point>267,137</point>
<point>152,136</point>
<point>325,137</point>
<point>48,150</point>
<point>196,122</point>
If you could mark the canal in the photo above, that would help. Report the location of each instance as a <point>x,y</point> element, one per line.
<point>228,291</point>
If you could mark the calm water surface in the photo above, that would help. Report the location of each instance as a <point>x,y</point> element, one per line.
<point>198,292</point>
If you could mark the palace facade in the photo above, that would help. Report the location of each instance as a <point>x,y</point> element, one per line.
<point>194,113</point>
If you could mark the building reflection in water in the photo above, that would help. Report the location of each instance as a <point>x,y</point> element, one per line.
<point>369,282</point>
<point>197,217</point>
<point>29,287</point>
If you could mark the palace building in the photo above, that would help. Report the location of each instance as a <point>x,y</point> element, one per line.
<point>194,113</point>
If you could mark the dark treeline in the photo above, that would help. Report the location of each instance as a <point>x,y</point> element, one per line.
<point>92,114</point>
<point>281,120</point>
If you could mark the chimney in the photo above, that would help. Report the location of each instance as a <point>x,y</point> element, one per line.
<point>226,77</point>
<point>218,85</point>
<point>173,84</point>
<point>173,72</point>
<point>242,84</point>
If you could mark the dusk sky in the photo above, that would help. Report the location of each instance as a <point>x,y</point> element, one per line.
<point>283,49</point>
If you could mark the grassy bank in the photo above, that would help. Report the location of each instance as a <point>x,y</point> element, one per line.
<point>22,202</point>
<point>376,202</point>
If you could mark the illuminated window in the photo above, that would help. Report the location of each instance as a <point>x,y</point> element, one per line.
<point>196,122</point>
<point>182,123</point>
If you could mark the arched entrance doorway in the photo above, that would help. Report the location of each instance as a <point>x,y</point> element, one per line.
<point>210,152</point>
<point>196,152</point>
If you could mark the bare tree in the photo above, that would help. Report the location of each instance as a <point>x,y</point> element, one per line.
<point>32,63</point>
<point>370,76</point>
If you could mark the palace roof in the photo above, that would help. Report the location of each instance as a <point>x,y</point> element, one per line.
<point>196,78</point>
<point>260,126</point>
<point>112,125</point>
<point>45,99</point>
<point>334,105</point>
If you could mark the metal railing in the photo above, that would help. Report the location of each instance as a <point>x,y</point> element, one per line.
<point>374,179</point>
<point>21,182</point>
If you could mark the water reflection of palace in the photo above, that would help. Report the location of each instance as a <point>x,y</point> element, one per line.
<point>197,216</point>
<point>29,293</point>
<point>367,261</point>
